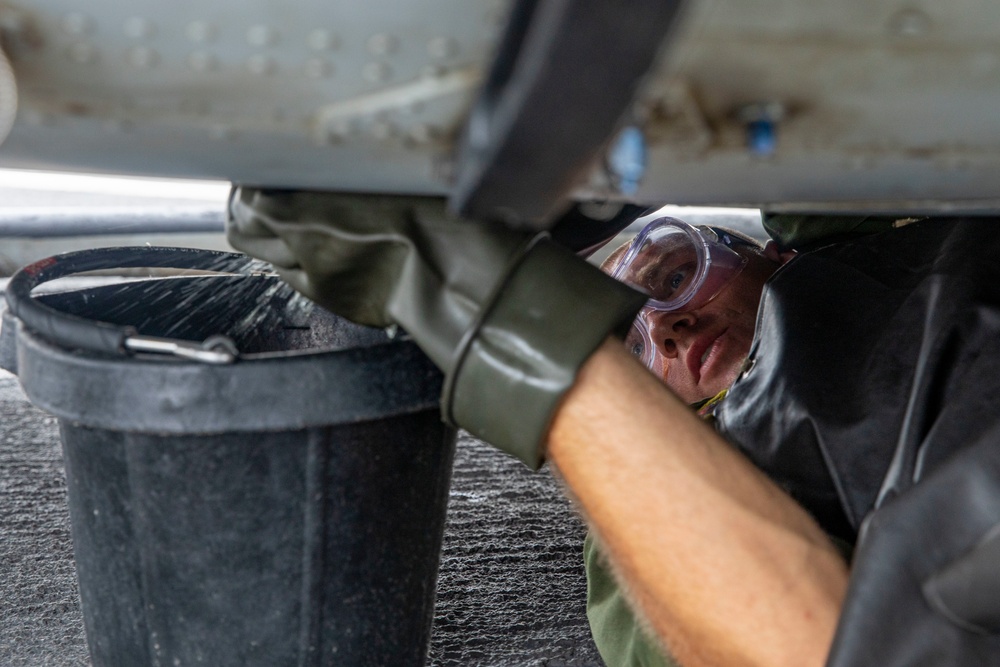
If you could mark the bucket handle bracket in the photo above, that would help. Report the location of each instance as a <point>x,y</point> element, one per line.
<point>213,350</point>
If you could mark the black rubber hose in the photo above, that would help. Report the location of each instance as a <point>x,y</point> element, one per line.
<point>75,332</point>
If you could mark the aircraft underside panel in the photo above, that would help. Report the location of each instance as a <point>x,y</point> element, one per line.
<point>779,103</point>
<point>339,95</point>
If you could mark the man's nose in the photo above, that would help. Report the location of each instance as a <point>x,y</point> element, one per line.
<point>669,330</point>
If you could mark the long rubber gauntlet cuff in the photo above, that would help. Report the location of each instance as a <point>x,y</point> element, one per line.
<point>550,314</point>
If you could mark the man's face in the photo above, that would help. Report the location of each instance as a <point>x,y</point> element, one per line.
<point>703,349</point>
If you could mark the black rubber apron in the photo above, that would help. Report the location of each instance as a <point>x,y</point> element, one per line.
<point>873,398</point>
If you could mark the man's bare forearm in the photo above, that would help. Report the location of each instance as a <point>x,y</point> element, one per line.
<point>725,567</point>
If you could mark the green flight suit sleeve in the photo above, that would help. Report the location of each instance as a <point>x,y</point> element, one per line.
<point>619,635</point>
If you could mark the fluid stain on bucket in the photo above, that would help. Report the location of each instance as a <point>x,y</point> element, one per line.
<point>259,313</point>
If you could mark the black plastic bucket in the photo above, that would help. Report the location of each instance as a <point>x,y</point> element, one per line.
<point>283,506</point>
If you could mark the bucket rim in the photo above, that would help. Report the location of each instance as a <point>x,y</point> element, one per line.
<point>273,392</point>
<point>93,335</point>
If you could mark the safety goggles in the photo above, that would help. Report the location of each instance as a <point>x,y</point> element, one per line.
<point>680,267</point>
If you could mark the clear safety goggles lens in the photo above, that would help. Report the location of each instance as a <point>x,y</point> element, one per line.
<point>680,267</point>
<point>639,343</point>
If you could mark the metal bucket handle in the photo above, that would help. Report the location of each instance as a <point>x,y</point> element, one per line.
<point>79,333</point>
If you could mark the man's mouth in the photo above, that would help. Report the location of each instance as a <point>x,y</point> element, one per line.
<point>700,354</point>
<point>704,355</point>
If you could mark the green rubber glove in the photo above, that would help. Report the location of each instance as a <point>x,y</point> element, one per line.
<point>508,316</point>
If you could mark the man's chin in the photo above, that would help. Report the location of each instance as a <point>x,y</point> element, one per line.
<point>691,395</point>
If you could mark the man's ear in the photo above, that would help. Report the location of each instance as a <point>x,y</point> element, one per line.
<point>776,254</point>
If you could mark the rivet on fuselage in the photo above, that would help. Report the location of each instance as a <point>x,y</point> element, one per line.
<point>376,72</point>
<point>84,53</point>
<point>77,24</point>
<point>317,68</point>
<point>382,44</point>
<point>142,58</point>
<point>202,61</point>
<point>261,36</point>
<point>260,65</point>
<point>200,32</point>
<point>138,28</point>
<point>322,40</point>
<point>442,47</point>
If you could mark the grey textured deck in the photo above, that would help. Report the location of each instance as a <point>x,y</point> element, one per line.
<point>511,587</point>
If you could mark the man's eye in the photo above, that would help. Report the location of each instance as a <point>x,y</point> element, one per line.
<point>677,279</point>
<point>638,349</point>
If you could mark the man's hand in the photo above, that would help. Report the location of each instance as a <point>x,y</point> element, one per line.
<point>508,316</point>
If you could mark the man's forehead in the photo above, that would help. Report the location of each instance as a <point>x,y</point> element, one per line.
<point>650,251</point>
<point>609,264</point>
